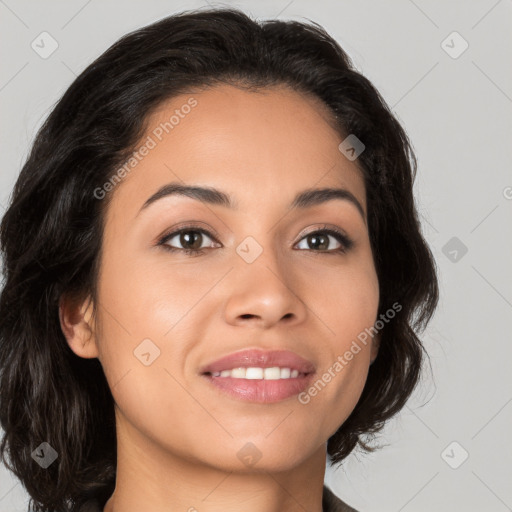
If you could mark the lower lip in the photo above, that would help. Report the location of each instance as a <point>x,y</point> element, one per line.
<point>260,390</point>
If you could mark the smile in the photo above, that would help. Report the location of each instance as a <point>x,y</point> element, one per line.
<point>255,373</point>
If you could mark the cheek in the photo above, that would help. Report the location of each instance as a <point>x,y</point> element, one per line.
<point>149,309</point>
<point>348,308</point>
<point>346,299</point>
<point>142,312</point>
<point>354,311</point>
<point>147,298</point>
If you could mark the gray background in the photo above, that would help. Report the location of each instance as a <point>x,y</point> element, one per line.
<point>457,112</point>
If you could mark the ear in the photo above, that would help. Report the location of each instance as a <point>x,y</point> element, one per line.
<point>375,347</point>
<point>77,326</point>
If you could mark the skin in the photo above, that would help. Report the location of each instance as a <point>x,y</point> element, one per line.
<point>178,436</point>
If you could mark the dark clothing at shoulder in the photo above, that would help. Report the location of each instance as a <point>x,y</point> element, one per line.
<point>91,506</point>
<point>330,503</point>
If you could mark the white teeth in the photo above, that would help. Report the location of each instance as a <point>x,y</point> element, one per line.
<point>238,373</point>
<point>272,373</point>
<point>285,373</point>
<point>255,373</point>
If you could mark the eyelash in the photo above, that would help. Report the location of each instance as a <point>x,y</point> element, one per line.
<point>344,240</point>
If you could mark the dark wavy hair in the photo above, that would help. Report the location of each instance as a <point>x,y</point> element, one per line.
<point>51,234</point>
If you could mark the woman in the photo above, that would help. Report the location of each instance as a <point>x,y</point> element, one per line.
<point>214,274</point>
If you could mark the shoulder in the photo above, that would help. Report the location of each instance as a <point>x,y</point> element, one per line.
<point>331,503</point>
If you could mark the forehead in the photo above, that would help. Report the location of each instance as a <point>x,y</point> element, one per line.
<point>259,147</point>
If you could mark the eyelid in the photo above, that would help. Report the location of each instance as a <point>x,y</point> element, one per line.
<point>197,226</point>
<point>324,227</point>
<point>339,234</point>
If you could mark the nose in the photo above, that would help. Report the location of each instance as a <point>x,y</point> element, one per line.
<point>263,293</point>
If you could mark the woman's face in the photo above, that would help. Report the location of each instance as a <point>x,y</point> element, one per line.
<point>259,281</point>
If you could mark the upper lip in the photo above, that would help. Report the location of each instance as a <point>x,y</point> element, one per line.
<point>261,359</point>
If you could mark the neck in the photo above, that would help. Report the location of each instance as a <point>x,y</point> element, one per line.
<point>149,478</point>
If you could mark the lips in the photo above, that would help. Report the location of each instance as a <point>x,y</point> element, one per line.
<point>260,359</point>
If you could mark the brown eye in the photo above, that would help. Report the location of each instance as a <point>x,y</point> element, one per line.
<point>316,241</point>
<point>191,239</point>
<point>319,241</point>
<point>187,240</point>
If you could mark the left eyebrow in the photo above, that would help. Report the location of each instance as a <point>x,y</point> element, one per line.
<point>305,199</point>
